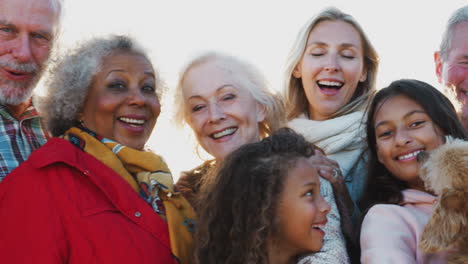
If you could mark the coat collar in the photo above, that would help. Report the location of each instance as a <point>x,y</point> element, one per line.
<point>117,190</point>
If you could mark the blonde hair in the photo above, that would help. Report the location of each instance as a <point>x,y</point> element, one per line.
<point>296,100</point>
<point>249,78</point>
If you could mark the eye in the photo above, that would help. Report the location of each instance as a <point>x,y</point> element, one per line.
<point>148,88</point>
<point>116,85</point>
<point>348,57</point>
<point>228,97</point>
<point>197,108</point>
<point>309,193</point>
<point>347,54</point>
<point>384,134</point>
<point>40,37</point>
<point>317,52</point>
<point>417,123</point>
<point>6,29</point>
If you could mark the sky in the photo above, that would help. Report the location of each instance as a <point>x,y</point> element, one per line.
<point>405,33</point>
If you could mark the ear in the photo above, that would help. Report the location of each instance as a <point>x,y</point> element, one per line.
<point>438,65</point>
<point>297,71</point>
<point>363,75</point>
<point>261,112</point>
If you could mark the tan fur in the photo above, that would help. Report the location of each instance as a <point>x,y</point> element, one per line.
<point>446,173</point>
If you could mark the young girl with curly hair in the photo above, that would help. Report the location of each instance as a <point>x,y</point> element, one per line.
<point>262,204</point>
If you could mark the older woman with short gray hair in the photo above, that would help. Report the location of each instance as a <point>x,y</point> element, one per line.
<point>93,194</point>
<point>72,77</point>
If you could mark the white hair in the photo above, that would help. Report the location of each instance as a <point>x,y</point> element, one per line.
<point>71,77</point>
<point>459,16</point>
<point>249,77</point>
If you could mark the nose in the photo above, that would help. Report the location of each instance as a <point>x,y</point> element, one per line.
<point>216,113</point>
<point>402,138</point>
<point>331,64</point>
<point>137,98</point>
<point>21,50</point>
<point>323,206</point>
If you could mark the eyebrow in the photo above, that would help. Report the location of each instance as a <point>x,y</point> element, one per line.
<point>46,33</point>
<point>150,74</point>
<point>217,90</point>
<point>312,183</point>
<point>320,43</point>
<point>404,117</point>
<point>120,70</point>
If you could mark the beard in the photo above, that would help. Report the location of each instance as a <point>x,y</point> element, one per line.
<point>16,92</point>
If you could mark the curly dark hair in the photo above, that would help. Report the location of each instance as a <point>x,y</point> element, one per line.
<point>237,208</point>
<point>382,186</point>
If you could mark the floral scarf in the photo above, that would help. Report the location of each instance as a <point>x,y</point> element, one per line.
<point>149,176</point>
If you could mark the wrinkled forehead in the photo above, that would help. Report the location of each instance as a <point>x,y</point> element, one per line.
<point>32,15</point>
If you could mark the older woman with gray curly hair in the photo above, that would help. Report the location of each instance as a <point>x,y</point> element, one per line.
<point>92,194</point>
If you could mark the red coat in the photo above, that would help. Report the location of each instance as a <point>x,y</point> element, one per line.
<point>64,206</point>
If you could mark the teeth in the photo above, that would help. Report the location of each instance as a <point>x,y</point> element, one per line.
<point>329,83</point>
<point>132,121</point>
<point>225,132</point>
<point>318,226</point>
<point>407,156</point>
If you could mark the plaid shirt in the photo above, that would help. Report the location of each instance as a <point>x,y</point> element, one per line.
<point>18,138</point>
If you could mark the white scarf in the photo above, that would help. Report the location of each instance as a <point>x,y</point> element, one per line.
<point>342,138</point>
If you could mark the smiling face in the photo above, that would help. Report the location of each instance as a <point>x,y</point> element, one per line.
<point>402,130</point>
<point>453,71</point>
<point>302,211</point>
<point>331,67</point>
<point>27,29</point>
<point>122,103</point>
<point>222,114</point>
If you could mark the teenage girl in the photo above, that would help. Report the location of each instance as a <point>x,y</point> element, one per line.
<point>404,119</point>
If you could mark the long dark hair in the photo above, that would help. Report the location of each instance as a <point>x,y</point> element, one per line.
<point>237,210</point>
<point>382,186</point>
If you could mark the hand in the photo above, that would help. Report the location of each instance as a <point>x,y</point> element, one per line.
<point>330,171</point>
<point>326,168</point>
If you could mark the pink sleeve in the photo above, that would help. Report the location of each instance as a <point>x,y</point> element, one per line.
<point>387,237</point>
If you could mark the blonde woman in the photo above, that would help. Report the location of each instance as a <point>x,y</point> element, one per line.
<point>227,103</point>
<point>329,74</point>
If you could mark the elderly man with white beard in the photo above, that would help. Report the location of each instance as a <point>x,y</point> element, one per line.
<point>28,29</point>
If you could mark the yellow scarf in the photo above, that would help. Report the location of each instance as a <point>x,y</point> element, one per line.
<point>152,180</point>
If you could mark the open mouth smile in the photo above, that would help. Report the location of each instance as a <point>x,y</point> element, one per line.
<point>320,225</point>
<point>330,84</point>
<point>409,156</point>
<point>329,87</point>
<point>223,133</point>
<point>132,121</point>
